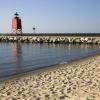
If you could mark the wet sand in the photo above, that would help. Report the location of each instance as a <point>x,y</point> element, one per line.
<point>78,80</point>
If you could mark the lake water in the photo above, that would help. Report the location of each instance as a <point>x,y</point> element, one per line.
<point>22,57</point>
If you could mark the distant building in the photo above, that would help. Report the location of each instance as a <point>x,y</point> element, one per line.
<point>16,24</point>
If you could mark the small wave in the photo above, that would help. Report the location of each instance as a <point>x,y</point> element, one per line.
<point>63,63</point>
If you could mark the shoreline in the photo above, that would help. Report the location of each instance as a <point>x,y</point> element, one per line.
<point>46,68</point>
<point>76,80</point>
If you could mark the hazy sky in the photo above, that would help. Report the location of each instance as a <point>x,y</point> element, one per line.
<point>52,15</point>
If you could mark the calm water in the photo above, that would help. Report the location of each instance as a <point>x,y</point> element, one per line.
<point>17,58</point>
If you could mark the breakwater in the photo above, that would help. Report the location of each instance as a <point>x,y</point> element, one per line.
<point>86,38</point>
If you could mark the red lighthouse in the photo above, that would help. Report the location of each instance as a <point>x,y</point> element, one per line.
<point>16,24</point>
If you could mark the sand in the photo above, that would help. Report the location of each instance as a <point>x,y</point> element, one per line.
<point>78,80</point>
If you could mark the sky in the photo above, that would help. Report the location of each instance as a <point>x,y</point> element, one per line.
<point>52,16</point>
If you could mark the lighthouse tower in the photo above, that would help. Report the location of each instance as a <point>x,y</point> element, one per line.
<point>16,24</point>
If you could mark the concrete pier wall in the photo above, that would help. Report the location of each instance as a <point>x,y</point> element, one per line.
<point>52,38</point>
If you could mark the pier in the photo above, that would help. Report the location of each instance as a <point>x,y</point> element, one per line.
<point>86,38</point>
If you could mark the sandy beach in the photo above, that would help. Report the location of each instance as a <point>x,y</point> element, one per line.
<point>78,80</point>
